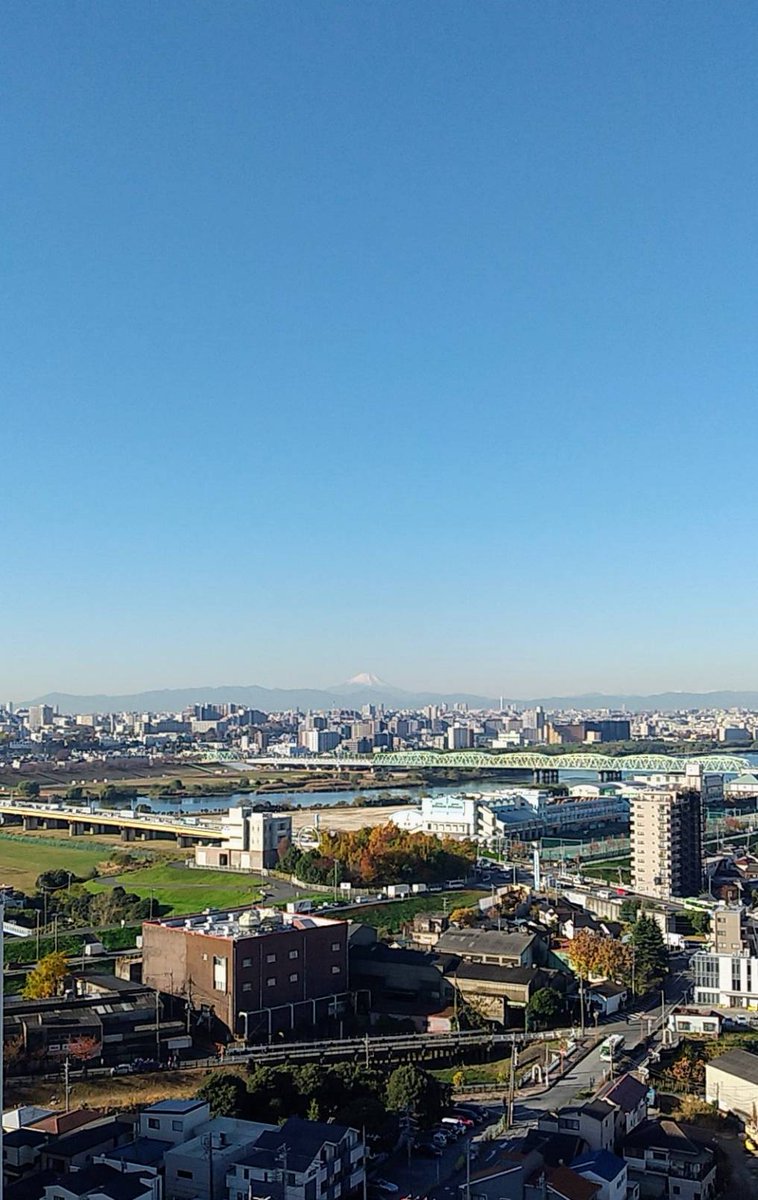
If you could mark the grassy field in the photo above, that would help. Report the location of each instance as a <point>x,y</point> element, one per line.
<point>22,859</point>
<point>397,913</point>
<point>608,869</point>
<point>183,891</point>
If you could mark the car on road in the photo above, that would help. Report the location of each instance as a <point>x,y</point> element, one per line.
<point>385,1186</point>
<point>121,1069</point>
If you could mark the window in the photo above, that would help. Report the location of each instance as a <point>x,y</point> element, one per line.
<point>177,1126</point>
<point>294,977</point>
<point>270,958</point>
<point>219,974</point>
<point>294,953</point>
<point>180,1174</point>
<point>153,1123</point>
<point>336,970</point>
<point>335,946</point>
<point>271,982</point>
<point>247,987</point>
<point>247,962</point>
<point>676,1189</point>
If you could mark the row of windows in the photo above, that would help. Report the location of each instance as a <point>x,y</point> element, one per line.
<point>271,958</point>
<point>272,981</point>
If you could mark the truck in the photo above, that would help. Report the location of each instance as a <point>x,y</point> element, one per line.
<point>300,906</point>
<point>418,888</point>
<point>398,891</point>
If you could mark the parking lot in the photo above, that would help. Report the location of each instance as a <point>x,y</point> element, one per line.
<point>415,1174</point>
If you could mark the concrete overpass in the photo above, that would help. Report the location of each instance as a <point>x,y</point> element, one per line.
<point>32,815</point>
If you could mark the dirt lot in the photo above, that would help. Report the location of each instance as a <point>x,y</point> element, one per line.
<point>345,818</point>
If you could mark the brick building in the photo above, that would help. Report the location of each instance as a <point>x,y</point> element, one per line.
<point>255,972</point>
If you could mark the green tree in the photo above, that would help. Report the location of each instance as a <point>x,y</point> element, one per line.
<point>28,787</point>
<point>649,953</point>
<point>628,911</point>
<point>226,1094</point>
<point>700,921</point>
<point>45,979</point>
<point>545,1008</point>
<point>411,1090</point>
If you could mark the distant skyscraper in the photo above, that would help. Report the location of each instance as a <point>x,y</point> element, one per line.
<point>667,843</point>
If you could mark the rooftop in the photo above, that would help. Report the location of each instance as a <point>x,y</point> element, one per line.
<point>485,941</point>
<point>174,1107</point>
<point>739,1063</point>
<point>626,1093</point>
<point>243,923</point>
<point>600,1162</point>
<point>571,1184</point>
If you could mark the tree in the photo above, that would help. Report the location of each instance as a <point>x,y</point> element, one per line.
<point>84,1049</point>
<point>584,951</point>
<point>226,1094</point>
<point>545,1008</point>
<point>411,1090</point>
<point>650,955</point>
<point>464,916</point>
<point>700,921</point>
<point>628,911</point>
<point>28,787</point>
<point>45,979</point>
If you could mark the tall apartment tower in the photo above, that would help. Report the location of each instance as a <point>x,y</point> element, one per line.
<point>667,843</point>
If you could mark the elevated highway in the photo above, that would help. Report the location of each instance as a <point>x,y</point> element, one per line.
<point>32,815</point>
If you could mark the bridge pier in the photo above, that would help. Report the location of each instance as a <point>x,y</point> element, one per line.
<point>127,834</point>
<point>31,822</point>
<point>610,776</point>
<point>546,775</point>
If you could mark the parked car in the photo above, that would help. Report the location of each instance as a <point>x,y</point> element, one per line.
<point>427,1148</point>
<point>385,1186</point>
<point>469,1122</point>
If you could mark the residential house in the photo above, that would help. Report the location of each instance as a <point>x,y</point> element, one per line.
<point>98,1182</point>
<point>427,928</point>
<point>606,997</point>
<point>608,1171</point>
<point>502,1179</point>
<point>705,1022</point>
<point>628,1095</point>
<point>22,1151</point>
<point>667,1162</point>
<point>593,1122</point>
<point>196,1169</point>
<point>74,1151</point>
<point>301,1160</point>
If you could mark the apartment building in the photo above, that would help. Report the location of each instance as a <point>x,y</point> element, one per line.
<point>667,843</point>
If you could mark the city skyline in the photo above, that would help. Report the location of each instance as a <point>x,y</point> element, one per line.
<point>418,338</point>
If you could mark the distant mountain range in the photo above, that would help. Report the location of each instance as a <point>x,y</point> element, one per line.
<point>365,688</point>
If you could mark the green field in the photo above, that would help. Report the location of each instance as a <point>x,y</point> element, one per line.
<point>608,869</point>
<point>395,914</point>
<point>180,890</point>
<point>23,859</point>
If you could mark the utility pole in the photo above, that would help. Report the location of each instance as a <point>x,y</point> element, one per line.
<point>581,1003</point>
<point>67,1081</point>
<point>511,1086</point>
<point>158,1026</point>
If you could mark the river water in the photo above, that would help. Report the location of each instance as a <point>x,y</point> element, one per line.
<point>400,796</point>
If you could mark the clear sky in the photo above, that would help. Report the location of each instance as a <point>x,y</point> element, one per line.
<point>409,337</point>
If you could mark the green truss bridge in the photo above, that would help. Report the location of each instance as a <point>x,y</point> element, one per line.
<point>479,760</point>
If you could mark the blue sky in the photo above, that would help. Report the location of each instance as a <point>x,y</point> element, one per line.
<point>417,338</point>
